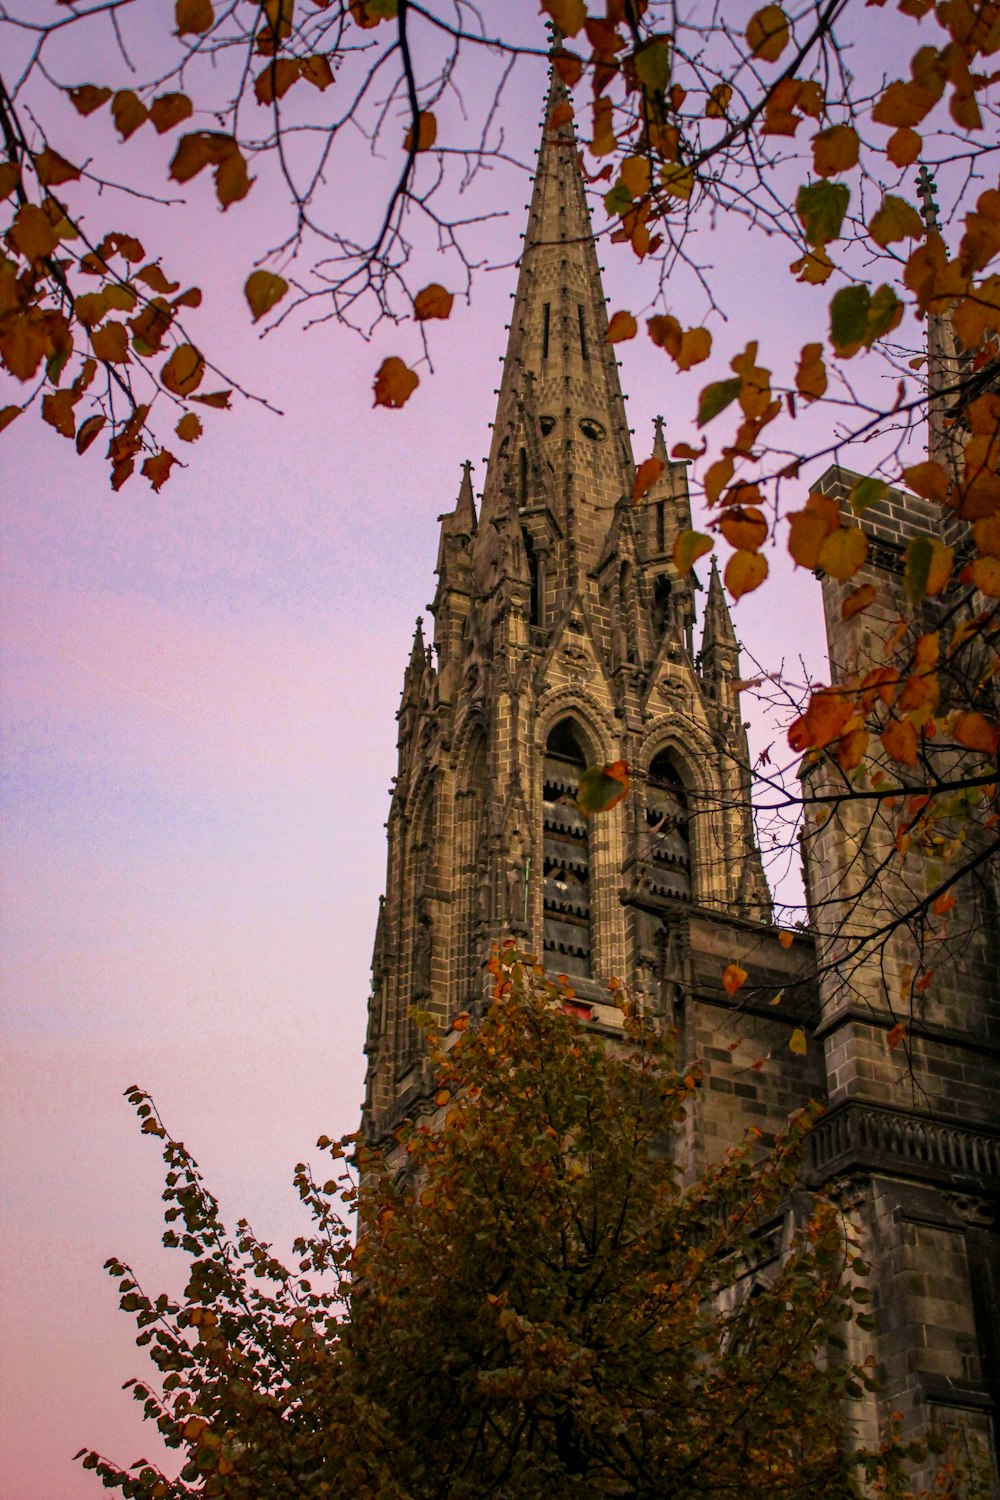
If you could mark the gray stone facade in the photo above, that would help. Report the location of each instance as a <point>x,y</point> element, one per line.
<point>563,636</point>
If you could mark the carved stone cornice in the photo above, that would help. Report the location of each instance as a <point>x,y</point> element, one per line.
<point>857,1135</point>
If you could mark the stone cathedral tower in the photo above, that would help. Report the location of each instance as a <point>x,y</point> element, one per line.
<point>562,638</point>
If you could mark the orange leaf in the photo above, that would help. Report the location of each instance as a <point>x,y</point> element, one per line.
<point>432,301</point>
<point>427,129</point>
<point>646,476</point>
<point>744,527</point>
<point>568,66</point>
<point>851,748</point>
<point>943,903</point>
<point>194,17</point>
<point>745,572</point>
<point>786,939</point>
<point>689,546</point>
<point>835,150</point>
<point>903,147</point>
<point>857,600</point>
<point>811,377</point>
<point>824,720</point>
<point>928,479</point>
<point>986,576</point>
<point>732,977</point>
<point>394,383</point>
<point>569,15</point>
<point>622,326</point>
<point>900,739</point>
<point>975,732</point>
<point>896,1035</point>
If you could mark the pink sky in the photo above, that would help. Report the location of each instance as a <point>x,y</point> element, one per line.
<point>199,691</point>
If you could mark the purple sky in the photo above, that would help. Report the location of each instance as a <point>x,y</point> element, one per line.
<point>199,692</point>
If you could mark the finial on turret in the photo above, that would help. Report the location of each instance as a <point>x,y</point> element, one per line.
<point>659,441</point>
<point>926,188</point>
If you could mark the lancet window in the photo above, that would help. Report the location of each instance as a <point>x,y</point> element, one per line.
<point>667,829</point>
<point>567,940</point>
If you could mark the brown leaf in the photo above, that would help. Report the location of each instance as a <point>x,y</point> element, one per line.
<point>394,383</point>
<point>811,377</point>
<point>157,470</point>
<point>57,410</point>
<point>604,140</point>
<point>183,371</point>
<point>276,79</point>
<point>194,17</point>
<point>25,340</point>
<point>168,110</point>
<point>189,428</point>
<point>154,277</point>
<point>129,113</point>
<point>835,150</point>
<point>568,66</point>
<point>53,170</point>
<point>857,600</point>
<point>426,133</point>
<point>110,343</point>
<point>32,233</point>
<point>217,399</point>
<point>433,301</point>
<point>768,33</point>
<point>316,70</point>
<point>87,97</point>
<point>88,432</point>
<point>9,414</point>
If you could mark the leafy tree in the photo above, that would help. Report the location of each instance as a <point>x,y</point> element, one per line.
<point>539,1302</point>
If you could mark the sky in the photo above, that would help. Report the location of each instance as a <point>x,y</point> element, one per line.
<point>198,699</point>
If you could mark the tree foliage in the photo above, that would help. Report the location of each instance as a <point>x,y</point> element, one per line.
<point>539,1300</point>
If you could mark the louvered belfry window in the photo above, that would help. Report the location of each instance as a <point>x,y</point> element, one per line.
<point>667,824</point>
<point>567,857</point>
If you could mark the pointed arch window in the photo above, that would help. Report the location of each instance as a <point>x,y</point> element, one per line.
<point>566,900</point>
<point>667,823</point>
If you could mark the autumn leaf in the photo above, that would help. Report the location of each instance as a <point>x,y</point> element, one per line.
<point>276,79</point>
<point>157,468</point>
<point>677,181</point>
<point>204,148</point>
<point>189,427</point>
<point>975,732</point>
<point>718,101</point>
<point>835,150</point>
<point>786,939</point>
<point>899,739</point>
<point>194,17</point>
<point>927,567</point>
<point>568,15</point>
<point>110,343</point>
<point>744,527</point>
<point>895,220</point>
<point>767,33</point>
<point>426,133</point>
<point>568,66</point>
<point>264,290</point>
<point>652,63</point>
<point>168,110</point>
<point>9,414</point>
<point>432,301</point>
<point>602,787</point>
<point>87,97</point>
<point>733,976</point>
<point>929,480</point>
<point>857,600</point>
<point>89,431</point>
<point>57,411</point>
<point>183,371</point>
<point>903,147</point>
<point>985,573</point>
<point>745,571</point>
<point>842,553</point>
<point>688,547</point>
<point>825,719</point>
<point>895,1035</point>
<point>814,268</point>
<point>394,383</point>
<point>646,476</point>
<point>715,398</point>
<point>943,903</point>
<point>128,112</point>
<point>53,170</point>
<point>797,1042</point>
<point>621,327</point>
<point>810,377</point>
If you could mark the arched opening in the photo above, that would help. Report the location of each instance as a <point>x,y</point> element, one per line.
<point>662,589</point>
<point>472,869</point>
<point>566,899</point>
<point>667,826</point>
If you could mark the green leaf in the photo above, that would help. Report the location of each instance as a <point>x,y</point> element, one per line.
<point>919,556</point>
<point>866,493</point>
<point>821,207</point>
<point>849,318</point>
<point>715,398</point>
<point>618,201</point>
<point>652,64</point>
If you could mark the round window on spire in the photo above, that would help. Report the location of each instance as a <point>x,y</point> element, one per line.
<point>592,429</point>
<point>546,424</point>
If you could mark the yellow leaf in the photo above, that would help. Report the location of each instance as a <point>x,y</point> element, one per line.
<point>183,371</point>
<point>621,327</point>
<point>767,33</point>
<point>394,383</point>
<point>426,135</point>
<point>929,480</point>
<point>895,220</point>
<point>264,290</point>
<point>569,15</point>
<point>745,572</point>
<point>646,476</point>
<point>604,141</point>
<point>678,181</point>
<point>835,150</point>
<point>842,553</point>
<point>432,301</point>
<point>689,546</point>
<point>732,977</point>
<point>815,267</point>
<point>986,576</point>
<point>635,175</point>
<point>194,17</point>
<point>797,1042</point>
<point>696,346</point>
<point>718,101</point>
